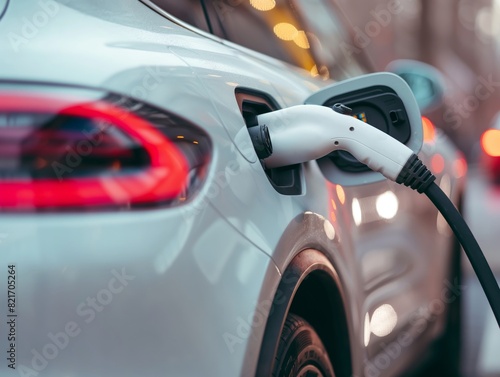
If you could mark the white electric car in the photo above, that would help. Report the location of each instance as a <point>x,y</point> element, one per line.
<point>140,234</point>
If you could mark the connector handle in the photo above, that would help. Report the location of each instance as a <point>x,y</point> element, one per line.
<point>308,132</point>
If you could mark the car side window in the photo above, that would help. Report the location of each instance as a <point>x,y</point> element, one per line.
<point>271,27</point>
<point>189,11</point>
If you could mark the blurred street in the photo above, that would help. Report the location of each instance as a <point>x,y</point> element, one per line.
<point>481,336</point>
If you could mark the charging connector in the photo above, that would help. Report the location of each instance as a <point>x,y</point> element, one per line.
<point>308,132</point>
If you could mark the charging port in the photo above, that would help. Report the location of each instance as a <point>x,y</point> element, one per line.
<point>285,180</point>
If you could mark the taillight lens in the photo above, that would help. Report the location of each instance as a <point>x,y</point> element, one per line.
<point>63,153</point>
<point>490,142</point>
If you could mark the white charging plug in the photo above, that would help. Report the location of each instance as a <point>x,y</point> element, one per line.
<point>308,132</point>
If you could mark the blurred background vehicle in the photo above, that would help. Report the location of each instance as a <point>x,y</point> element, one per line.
<point>490,146</point>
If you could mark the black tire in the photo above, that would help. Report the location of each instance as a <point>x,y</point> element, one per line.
<point>301,352</point>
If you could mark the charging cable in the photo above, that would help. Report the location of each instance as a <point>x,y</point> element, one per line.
<point>308,132</point>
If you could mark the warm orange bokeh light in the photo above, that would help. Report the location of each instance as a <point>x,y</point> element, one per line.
<point>286,31</point>
<point>263,5</point>
<point>301,40</point>
<point>334,205</point>
<point>437,164</point>
<point>341,194</point>
<point>490,141</point>
<point>429,129</point>
<point>460,167</point>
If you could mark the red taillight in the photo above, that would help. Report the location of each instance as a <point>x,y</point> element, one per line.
<point>490,142</point>
<point>58,152</point>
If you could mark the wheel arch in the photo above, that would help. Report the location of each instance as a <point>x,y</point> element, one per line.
<point>309,287</point>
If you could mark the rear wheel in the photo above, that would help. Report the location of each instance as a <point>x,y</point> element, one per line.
<point>301,352</point>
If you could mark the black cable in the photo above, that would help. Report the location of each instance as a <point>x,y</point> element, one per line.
<point>470,245</point>
<point>418,177</point>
